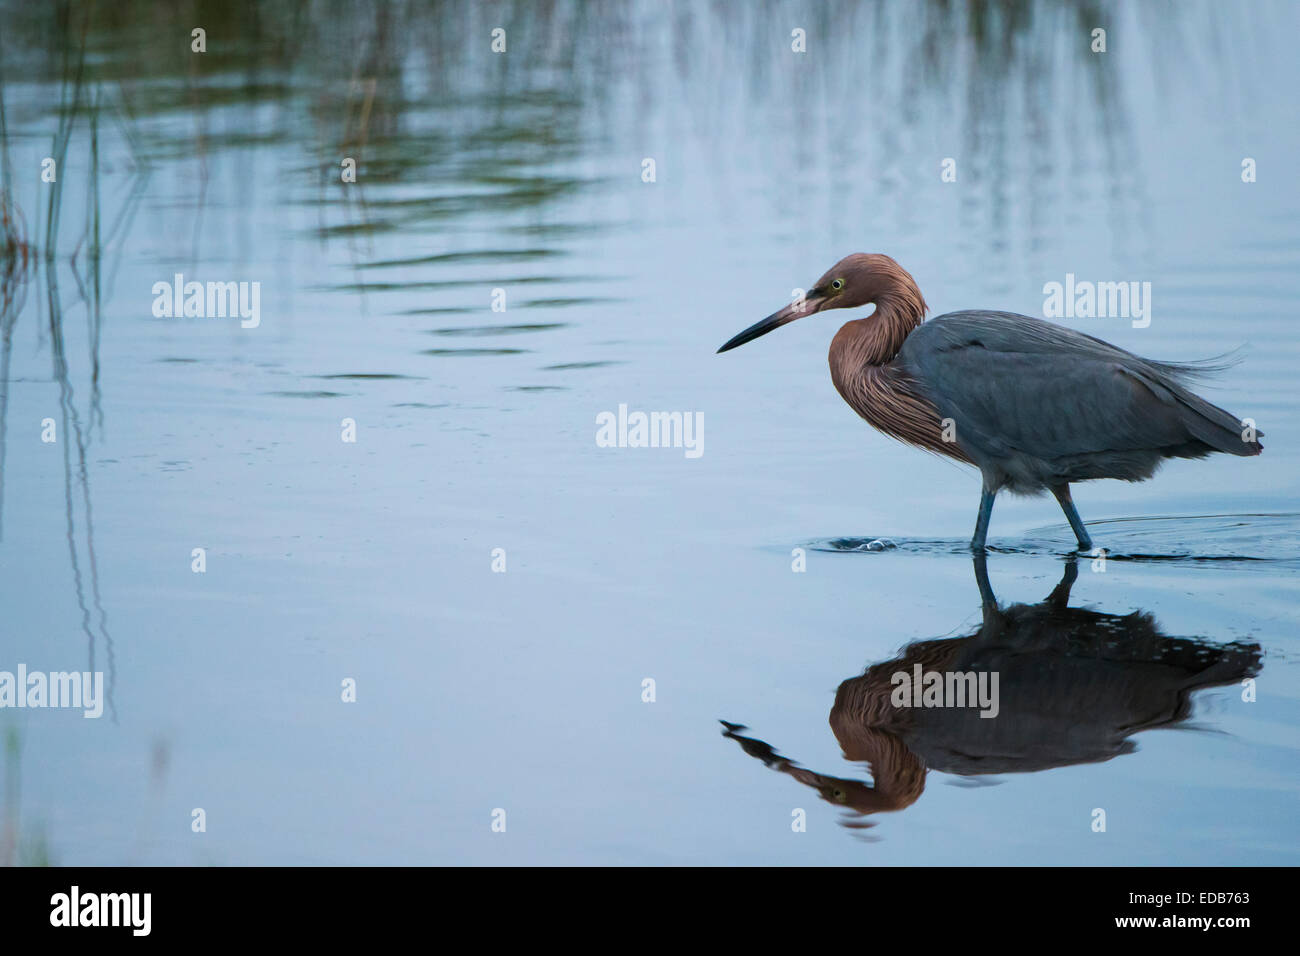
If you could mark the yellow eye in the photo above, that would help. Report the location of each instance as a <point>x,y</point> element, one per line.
<point>837,285</point>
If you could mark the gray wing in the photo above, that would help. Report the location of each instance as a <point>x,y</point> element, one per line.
<point>1013,383</point>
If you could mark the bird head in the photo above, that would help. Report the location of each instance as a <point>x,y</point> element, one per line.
<point>853,281</point>
<point>840,790</point>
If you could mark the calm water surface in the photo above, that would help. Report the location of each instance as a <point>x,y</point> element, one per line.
<point>522,171</point>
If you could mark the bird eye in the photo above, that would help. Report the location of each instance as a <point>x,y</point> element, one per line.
<point>837,285</point>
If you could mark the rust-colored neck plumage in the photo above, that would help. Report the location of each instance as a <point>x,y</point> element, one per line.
<point>862,360</point>
<point>900,308</point>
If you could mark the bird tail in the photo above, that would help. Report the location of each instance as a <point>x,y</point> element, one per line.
<point>1208,423</point>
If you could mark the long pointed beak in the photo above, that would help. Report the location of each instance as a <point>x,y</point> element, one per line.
<point>795,310</point>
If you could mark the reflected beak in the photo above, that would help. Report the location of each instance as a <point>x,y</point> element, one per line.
<point>805,776</point>
<point>795,310</point>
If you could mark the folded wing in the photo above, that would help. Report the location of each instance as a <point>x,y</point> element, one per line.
<point>1015,384</point>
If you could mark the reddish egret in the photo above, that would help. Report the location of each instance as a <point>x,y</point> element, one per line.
<point>1033,405</point>
<point>1074,686</point>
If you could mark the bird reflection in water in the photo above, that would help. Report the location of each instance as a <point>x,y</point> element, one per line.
<point>1075,685</point>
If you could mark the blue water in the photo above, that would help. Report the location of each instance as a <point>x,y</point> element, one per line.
<point>524,691</point>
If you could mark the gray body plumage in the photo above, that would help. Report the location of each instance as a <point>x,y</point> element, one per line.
<point>1037,405</point>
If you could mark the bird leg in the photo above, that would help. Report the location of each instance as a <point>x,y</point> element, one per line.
<point>987,597</point>
<point>1062,493</point>
<point>1059,599</point>
<point>994,623</point>
<point>982,522</point>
